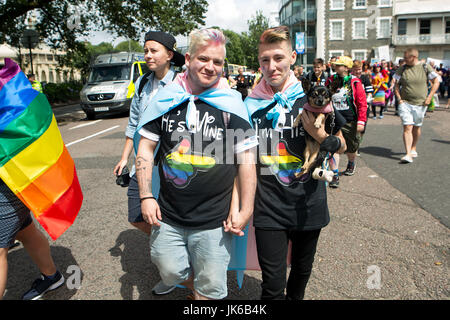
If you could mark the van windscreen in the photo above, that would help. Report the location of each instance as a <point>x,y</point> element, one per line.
<point>110,73</point>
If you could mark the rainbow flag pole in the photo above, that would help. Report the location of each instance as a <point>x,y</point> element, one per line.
<point>34,162</point>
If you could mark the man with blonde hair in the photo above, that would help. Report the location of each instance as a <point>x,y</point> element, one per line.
<point>192,219</point>
<point>289,203</point>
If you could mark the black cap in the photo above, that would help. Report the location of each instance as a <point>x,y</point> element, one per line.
<point>168,41</point>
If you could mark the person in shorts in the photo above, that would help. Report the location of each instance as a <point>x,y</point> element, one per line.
<point>16,223</point>
<point>192,224</point>
<point>350,101</point>
<point>411,90</point>
<point>161,58</point>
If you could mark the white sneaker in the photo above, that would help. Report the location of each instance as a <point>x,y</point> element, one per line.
<point>161,288</point>
<point>414,154</point>
<point>406,159</point>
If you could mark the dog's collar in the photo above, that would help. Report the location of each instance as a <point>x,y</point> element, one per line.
<point>325,109</point>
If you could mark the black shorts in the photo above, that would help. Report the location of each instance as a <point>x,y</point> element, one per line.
<point>14,216</point>
<point>134,202</point>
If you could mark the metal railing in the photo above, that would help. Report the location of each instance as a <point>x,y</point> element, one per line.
<point>422,39</point>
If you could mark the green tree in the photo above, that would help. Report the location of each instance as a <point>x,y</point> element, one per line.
<point>235,51</point>
<point>132,46</point>
<point>62,23</point>
<point>256,25</point>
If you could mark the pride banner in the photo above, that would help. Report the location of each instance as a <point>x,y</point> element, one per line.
<point>34,162</point>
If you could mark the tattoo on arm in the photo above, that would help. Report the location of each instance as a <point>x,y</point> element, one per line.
<point>144,175</point>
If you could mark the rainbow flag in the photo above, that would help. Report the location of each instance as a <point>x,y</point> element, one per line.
<point>34,162</point>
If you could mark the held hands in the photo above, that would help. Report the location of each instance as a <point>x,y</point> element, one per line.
<point>151,211</point>
<point>236,222</point>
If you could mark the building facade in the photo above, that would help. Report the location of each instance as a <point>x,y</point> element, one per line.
<point>301,16</point>
<point>339,27</point>
<point>424,25</point>
<point>45,63</point>
<point>356,28</point>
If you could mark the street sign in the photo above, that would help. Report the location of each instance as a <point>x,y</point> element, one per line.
<point>30,38</point>
<point>300,42</point>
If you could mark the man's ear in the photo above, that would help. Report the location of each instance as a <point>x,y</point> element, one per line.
<point>293,57</point>
<point>187,59</point>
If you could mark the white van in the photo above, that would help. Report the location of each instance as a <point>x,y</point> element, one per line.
<point>110,86</point>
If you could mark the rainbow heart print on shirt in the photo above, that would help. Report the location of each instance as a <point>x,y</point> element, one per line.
<point>284,165</point>
<point>180,165</point>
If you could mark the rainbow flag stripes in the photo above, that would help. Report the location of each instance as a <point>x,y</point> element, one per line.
<point>284,165</point>
<point>34,161</point>
<point>181,165</point>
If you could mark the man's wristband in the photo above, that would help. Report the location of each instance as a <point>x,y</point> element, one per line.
<point>142,199</point>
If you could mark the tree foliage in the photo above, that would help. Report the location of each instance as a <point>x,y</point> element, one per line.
<point>242,48</point>
<point>61,24</point>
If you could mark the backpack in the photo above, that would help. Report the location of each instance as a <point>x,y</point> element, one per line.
<point>425,69</point>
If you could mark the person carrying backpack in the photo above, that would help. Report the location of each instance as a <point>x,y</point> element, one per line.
<point>413,98</point>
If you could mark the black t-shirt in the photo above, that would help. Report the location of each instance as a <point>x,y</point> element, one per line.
<point>317,80</point>
<point>367,84</point>
<point>197,170</point>
<point>283,201</point>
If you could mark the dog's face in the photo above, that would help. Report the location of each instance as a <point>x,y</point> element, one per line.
<point>318,96</point>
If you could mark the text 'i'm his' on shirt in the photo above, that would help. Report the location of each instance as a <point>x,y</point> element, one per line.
<point>282,199</point>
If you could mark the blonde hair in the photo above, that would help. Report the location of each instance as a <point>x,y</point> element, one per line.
<point>357,64</point>
<point>202,37</point>
<point>276,34</point>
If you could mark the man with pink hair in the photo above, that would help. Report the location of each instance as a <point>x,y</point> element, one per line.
<point>192,219</point>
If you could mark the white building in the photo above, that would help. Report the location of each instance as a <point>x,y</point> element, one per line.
<point>424,25</point>
<point>45,63</point>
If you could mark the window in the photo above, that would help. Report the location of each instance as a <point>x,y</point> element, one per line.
<point>425,26</point>
<point>297,6</point>
<point>359,4</point>
<point>289,10</point>
<point>359,55</point>
<point>359,28</point>
<point>336,53</point>
<point>447,26</point>
<point>337,29</point>
<point>401,27</point>
<point>50,57</point>
<point>337,4</point>
<point>384,28</point>
<point>384,3</point>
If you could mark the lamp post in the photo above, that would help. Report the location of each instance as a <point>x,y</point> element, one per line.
<point>29,40</point>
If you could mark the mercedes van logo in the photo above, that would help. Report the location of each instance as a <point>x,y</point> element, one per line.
<point>101,97</point>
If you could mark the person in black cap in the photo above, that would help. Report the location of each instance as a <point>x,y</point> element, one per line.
<point>161,57</point>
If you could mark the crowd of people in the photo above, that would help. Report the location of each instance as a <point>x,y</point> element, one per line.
<point>191,203</point>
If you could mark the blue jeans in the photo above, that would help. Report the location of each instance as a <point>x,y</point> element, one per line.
<point>179,253</point>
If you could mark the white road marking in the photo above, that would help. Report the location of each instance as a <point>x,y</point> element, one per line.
<point>92,135</point>
<point>84,124</point>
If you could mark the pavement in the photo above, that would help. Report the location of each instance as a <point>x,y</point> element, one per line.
<point>387,237</point>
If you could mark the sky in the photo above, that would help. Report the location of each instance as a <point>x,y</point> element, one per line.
<point>226,14</point>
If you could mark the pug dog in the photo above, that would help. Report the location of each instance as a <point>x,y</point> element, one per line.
<point>319,103</point>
